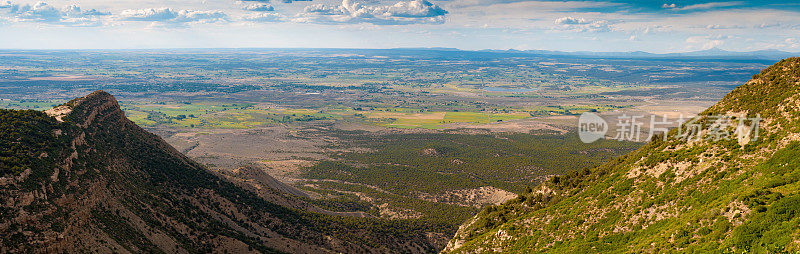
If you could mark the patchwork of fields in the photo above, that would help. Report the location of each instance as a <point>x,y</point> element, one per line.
<point>427,136</point>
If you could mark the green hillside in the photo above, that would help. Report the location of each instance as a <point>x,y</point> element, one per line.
<point>704,193</point>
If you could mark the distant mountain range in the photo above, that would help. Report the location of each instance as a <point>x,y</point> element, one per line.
<point>714,52</point>
<point>769,54</point>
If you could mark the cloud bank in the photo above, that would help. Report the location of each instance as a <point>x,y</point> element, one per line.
<point>354,11</point>
<point>259,7</point>
<point>264,17</point>
<point>168,15</point>
<point>71,15</point>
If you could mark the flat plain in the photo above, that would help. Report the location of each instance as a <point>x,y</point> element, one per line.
<point>401,134</point>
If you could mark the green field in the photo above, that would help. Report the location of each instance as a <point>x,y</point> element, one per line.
<point>215,115</point>
<point>439,120</point>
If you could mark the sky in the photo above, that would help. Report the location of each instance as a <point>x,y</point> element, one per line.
<point>658,26</point>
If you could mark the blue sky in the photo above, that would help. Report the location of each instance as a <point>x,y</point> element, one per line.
<point>614,25</point>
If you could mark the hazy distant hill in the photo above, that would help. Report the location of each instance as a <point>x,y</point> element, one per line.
<point>714,53</point>
<point>710,195</point>
<point>86,179</point>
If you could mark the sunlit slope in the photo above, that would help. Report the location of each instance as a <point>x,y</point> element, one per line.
<point>701,193</point>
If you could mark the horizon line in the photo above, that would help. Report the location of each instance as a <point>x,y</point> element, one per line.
<point>510,50</point>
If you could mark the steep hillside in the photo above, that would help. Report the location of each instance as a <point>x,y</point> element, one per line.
<point>704,193</point>
<point>83,178</point>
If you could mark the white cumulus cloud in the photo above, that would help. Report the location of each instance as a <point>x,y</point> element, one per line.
<point>582,25</point>
<point>354,11</point>
<point>571,21</point>
<point>259,7</point>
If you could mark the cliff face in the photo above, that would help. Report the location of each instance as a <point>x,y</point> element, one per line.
<point>87,179</point>
<point>731,186</point>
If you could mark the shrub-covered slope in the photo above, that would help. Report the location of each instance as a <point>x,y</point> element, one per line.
<point>710,194</point>
<point>83,178</point>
